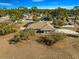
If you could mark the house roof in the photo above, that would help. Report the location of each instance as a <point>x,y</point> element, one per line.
<point>66,31</point>
<point>5,18</point>
<point>41,25</point>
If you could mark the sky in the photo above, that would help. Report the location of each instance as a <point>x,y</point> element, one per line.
<point>46,4</point>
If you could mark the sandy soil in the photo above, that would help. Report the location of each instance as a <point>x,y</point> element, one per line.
<point>65,49</point>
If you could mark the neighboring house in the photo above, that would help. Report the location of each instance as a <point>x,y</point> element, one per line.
<point>46,27</point>
<point>77,22</point>
<point>69,23</point>
<point>27,16</point>
<point>68,26</point>
<point>25,21</point>
<point>22,28</point>
<point>44,18</point>
<point>71,18</point>
<point>40,16</point>
<point>5,18</point>
<point>69,32</point>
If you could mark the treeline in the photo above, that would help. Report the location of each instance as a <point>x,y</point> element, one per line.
<point>59,13</point>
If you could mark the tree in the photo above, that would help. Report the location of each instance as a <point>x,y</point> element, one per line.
<point>57,22</point>
<point>76,8</point>
<point>35,18</point>
<point>34,10</point>
<point>59,12</point>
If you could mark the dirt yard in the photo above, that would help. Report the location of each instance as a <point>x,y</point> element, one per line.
<point>65,49</point>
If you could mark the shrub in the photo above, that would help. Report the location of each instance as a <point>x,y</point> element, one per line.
<point>5,29</point>
<point>23,35</point>
<point>26,25</point>
<point>47,40</point>
<point>58,36</point>
<point>51,39</point>
<point>14,40</point>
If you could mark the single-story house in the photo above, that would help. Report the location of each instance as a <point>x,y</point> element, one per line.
<point>77,22</point>
<point>27,16</point>
<point>68,26</point>
<point>68,23</point>
<point>5,18</point>
<point>25,21</point>
<point>46,27</point>
<point>22,28</point>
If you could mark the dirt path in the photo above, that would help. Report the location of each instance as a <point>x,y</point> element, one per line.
<point>73,52</point>
<point>69,46</point>
<point>4,43</point>
<point>33,50</point>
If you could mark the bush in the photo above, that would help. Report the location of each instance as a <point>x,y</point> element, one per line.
<point>14,40</point>
<point>51,39</point>
<point>58,36</point>
<point>48,40</point>
<point>26,25</point>
<point>22,35</point>
<point>5,29</point>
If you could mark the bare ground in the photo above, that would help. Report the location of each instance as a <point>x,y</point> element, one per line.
<point>65,49</point>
